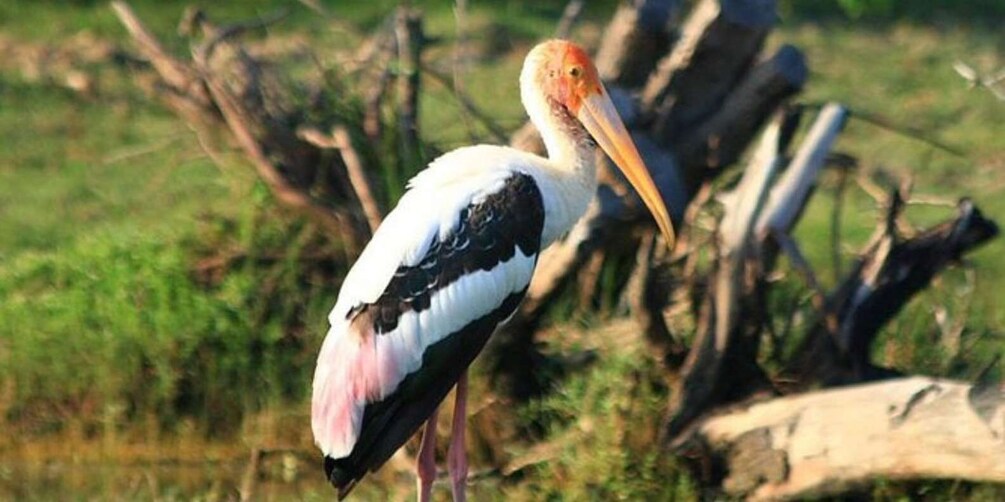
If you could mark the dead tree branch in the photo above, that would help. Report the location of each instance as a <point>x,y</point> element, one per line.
<point>408,32</point>
<point>721,139</point>
<point>824,443</point>
<point>569,16</point>
<point>889,273</point>
<point>728,329</point>
<point>637,36</point>
<point>718,43</point>
<point>341,140</point>
<point>497,132</point>
<point>792,191</point>
<point>224,85</point>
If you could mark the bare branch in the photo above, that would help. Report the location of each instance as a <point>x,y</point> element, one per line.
<point>569,16</point>
<point>498,134</point>
<point>229,31</point>
<point>890,272</point>
<point>790,194</point>
<point>408,32</point>
<point>340,139</point>
<point>175,73</point>
<point>730,304</point>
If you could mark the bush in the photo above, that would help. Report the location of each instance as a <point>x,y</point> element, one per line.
<point>116,328</point>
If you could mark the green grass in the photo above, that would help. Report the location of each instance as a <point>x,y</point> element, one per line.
<point>71,167</point>
<point>107,202</point>
<point>903,72</point>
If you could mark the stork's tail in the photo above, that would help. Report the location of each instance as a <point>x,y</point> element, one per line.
<point>342,474</point>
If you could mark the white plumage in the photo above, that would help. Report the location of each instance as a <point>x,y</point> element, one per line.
<point>429,208</point>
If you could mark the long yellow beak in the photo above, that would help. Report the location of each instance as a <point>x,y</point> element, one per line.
<point>598,115</point>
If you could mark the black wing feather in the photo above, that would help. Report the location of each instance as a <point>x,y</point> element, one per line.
<point>487,234</point>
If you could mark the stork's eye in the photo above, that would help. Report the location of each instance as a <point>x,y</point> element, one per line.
<point>575,72</point>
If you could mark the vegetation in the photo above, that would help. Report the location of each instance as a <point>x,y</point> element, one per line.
<point>113,336</point>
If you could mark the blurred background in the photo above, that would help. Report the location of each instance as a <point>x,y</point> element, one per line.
<point>160,309</point>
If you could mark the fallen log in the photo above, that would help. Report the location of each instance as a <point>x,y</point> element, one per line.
<point>827,442</point>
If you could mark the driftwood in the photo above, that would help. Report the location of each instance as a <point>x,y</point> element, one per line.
<point>829,442</point>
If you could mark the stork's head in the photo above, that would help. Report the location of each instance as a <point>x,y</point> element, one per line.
<point>560,72</point>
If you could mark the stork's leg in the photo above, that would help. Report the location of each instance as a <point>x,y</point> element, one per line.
<point>425,464</point>
<point>457,457</point>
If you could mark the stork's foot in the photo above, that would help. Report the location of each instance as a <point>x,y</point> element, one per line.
<point>425,465</point>
<point>457,457</point>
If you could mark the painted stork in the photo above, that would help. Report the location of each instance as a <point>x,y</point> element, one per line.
<point>450,263</point>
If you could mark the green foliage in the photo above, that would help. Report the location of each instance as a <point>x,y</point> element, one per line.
<point>602,429</point>
<point>117,322</point>
<point>979,11</point>
<point>857,8</point>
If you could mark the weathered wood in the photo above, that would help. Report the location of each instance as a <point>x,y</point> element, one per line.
<point>238,120</point>
<point>889,273</point>
<point>728,329</point>
<point>177,84</point>
<point>718,43</point>
<point>826,442</point>
<point>376,55</point>
<point>176,74</point>
<point>569,17</point>
<point>721,139</point>
<point>408,32</point>
<point>341,140</point>
<point>637,36</point>
<point>791,193</point>
<point>647,295</point>
<point>733,315</point>
<point>224,84</point>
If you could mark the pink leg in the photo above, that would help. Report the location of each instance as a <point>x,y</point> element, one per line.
<point>425,465</point>
<point>457,457</point>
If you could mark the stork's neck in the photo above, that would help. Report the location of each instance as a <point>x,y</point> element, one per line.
<point>570,148</point>
<point>571,161</point>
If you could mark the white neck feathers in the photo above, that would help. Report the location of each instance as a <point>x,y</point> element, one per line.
<point>571,152</point>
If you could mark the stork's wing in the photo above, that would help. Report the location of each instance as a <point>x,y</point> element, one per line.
<point>387,362</point>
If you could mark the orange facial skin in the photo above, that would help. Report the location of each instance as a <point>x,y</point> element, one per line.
<point>573,78</point>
